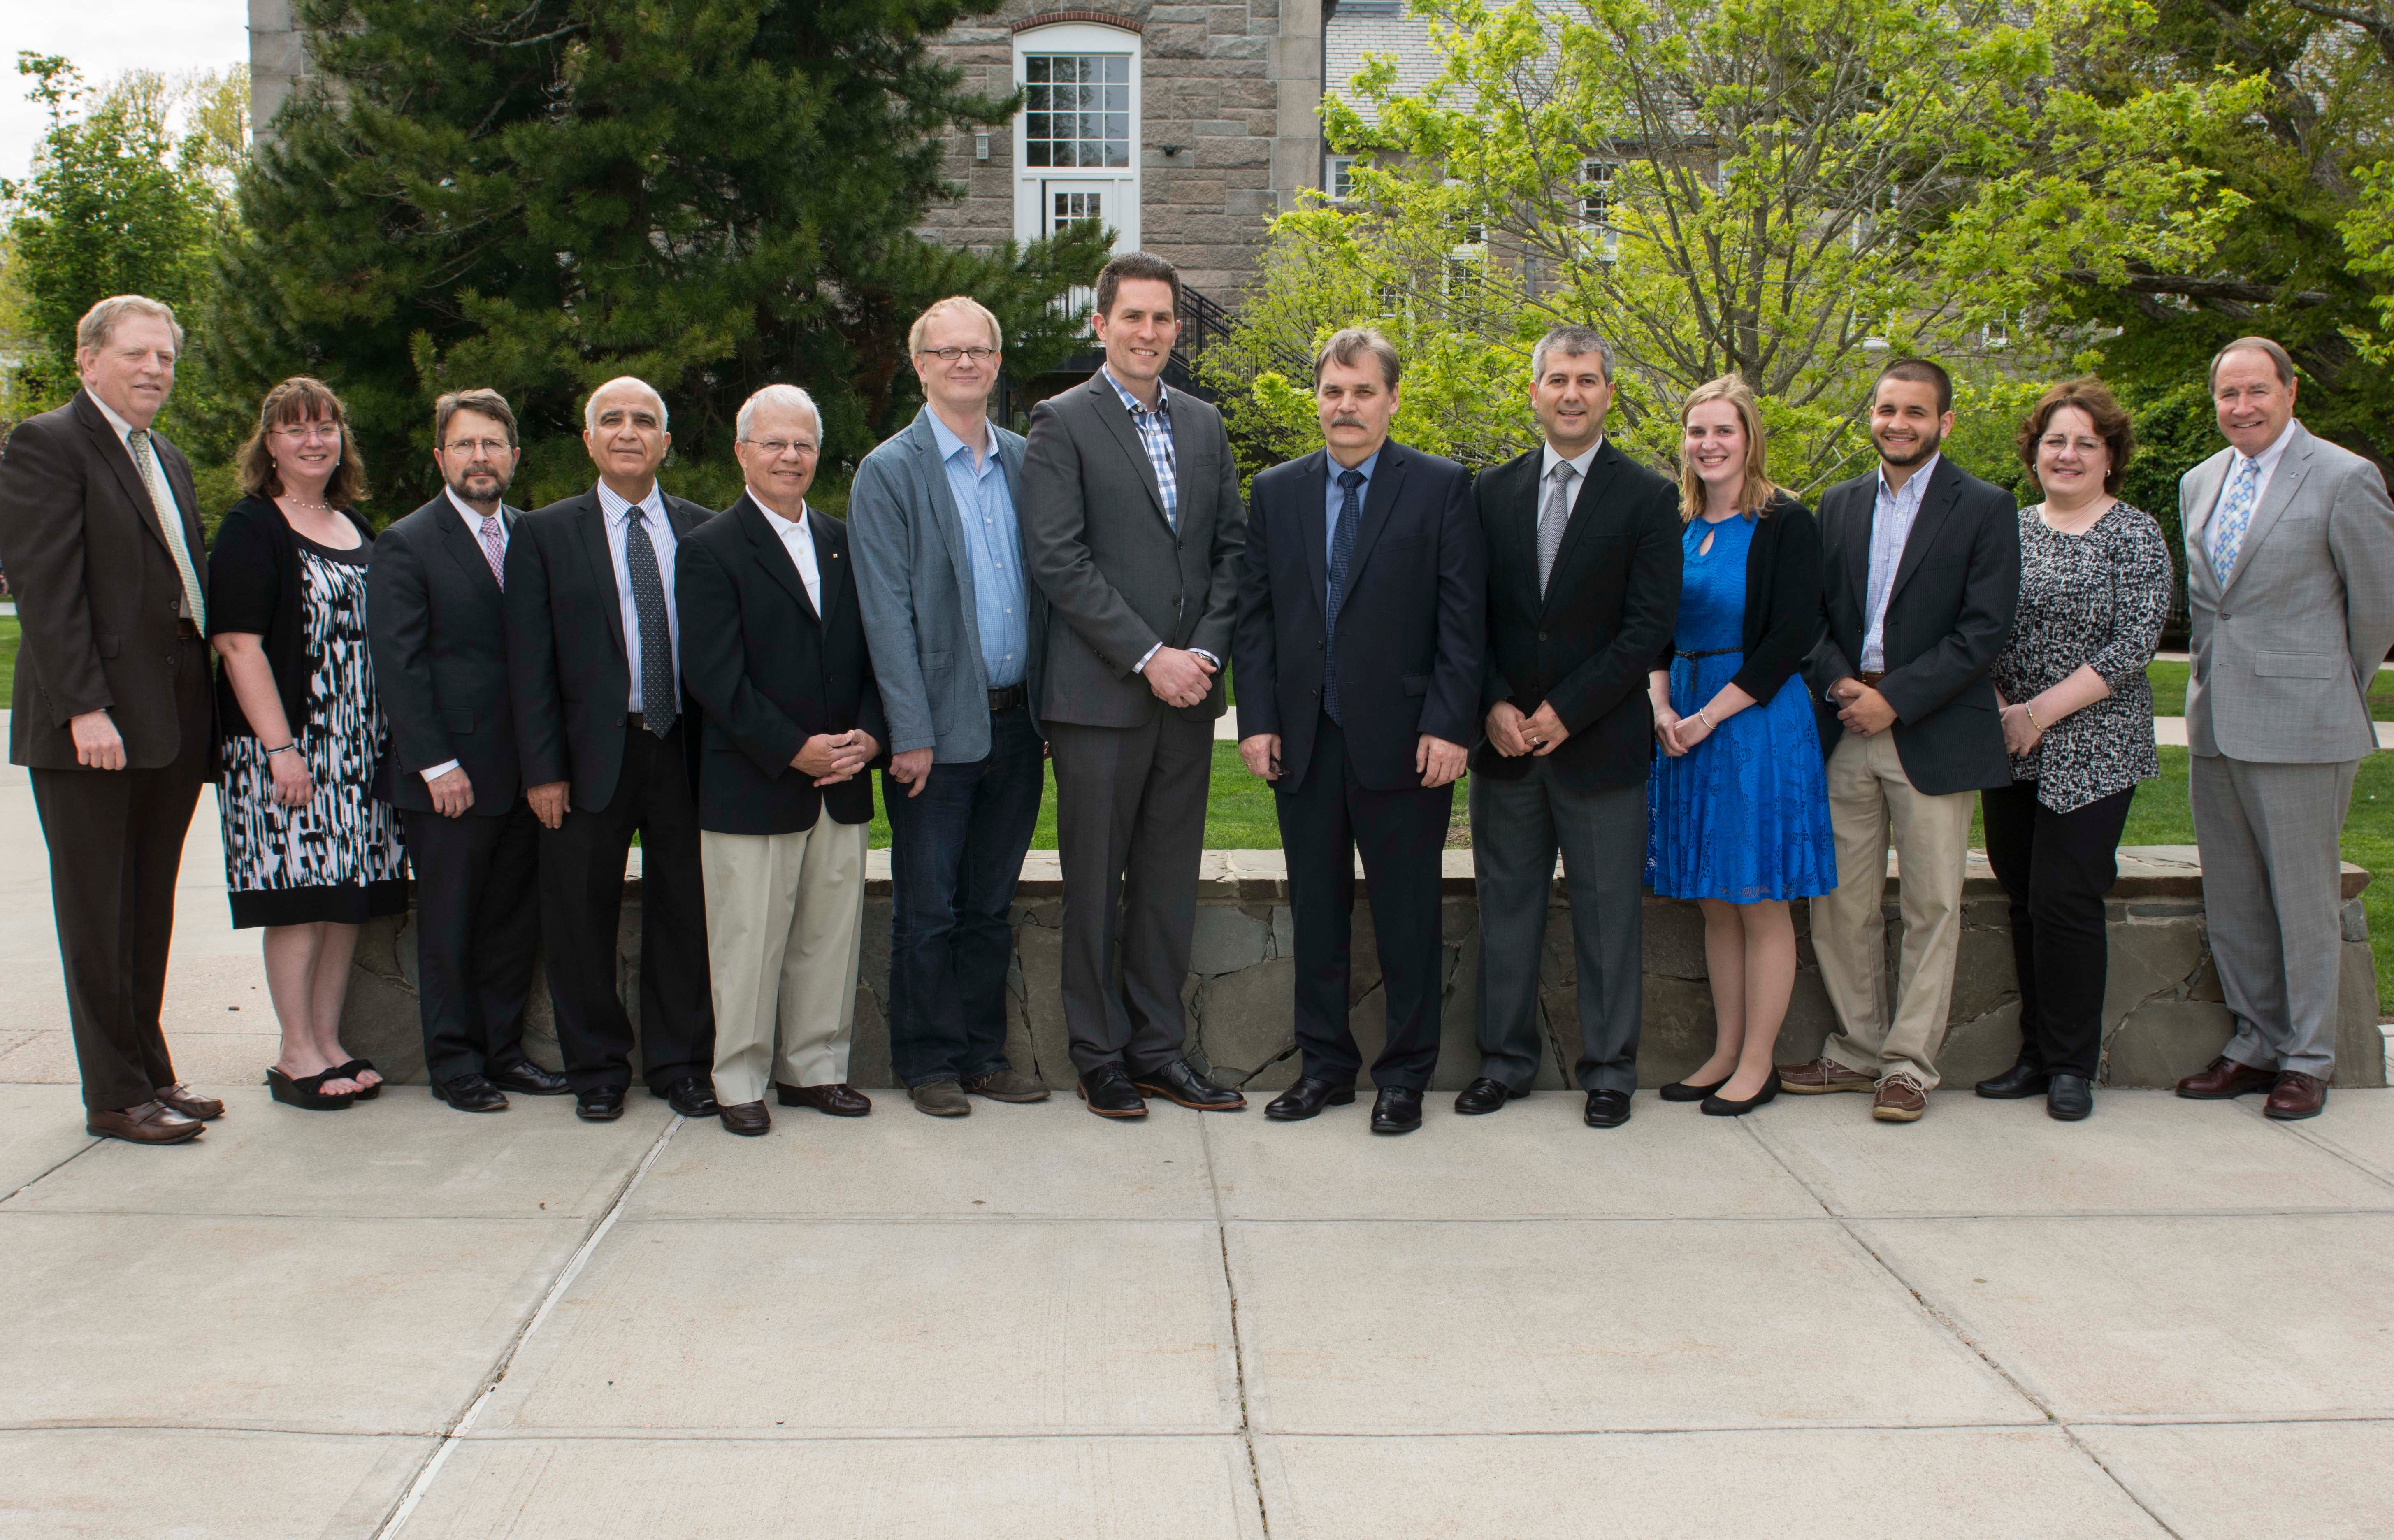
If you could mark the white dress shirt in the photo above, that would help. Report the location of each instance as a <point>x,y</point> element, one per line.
<point>2268,460</point>
<point>798,539</point>
<point>660,540</point>
<point>1579,464</point>
<point>166,484</point>
<point>474,528</point>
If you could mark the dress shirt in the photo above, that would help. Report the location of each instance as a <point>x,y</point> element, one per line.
<point>1335,497</point>
<point>993,548</point>
<point>798,539</point>
<point>1891,519</point>
<point>616,511</point>
<point>1155,435</point>
<point>167,486</point>
<point>1579,463</point>
<point>2268,460</point>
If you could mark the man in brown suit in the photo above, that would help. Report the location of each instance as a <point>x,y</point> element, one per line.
<point>113,715</point>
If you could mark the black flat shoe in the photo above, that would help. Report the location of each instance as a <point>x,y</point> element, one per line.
<point>599,1104</point>
<point>524,1076</point>
<point>470,1093</point>
<point>1110,1093</point>
<point>1397,1109</point>
<point>1307,1098</point>
<point>1688,1090</point>
<point>1179,1083</point>
<point>1484,1095</point>
<point>307,1092</point>
<point>2020,1081</point>
<point>690,1096</point>
<point>350,1072</point>
<point>1607,1109</point>
<point>1721,1106</point>
<point>2069,1098</point>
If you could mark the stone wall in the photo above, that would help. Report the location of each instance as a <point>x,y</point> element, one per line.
<point>2162,1011</point>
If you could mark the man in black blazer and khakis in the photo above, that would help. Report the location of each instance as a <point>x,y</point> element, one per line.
<point>1358,657</point>
<point>1582,592</point>
<point>609,748</point>
<point>1131,526</point>
<point>774,652</point>
<point>436,620</point>
<point>115,712</point>
<point>1920,577</point>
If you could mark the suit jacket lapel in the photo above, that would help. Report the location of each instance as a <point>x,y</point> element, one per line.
<point>591,520</point>
<point>945,516</point>
<point>1937,500</point>
<point>1117,417</point>
<point>1379,502</point>
<point>763,534</point>
<point>119,456</point>
<point>1586,509</point>
<point>465,549</point>
<point>1313,527</point>
<point>2208,478</point>
<point>2293,465</point>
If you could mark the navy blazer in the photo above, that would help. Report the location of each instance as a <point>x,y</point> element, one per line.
<point>437,627</point>
<point>1409,626</point>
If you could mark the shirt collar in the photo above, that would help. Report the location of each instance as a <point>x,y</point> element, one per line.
<point>1579,463</point>
<point>783,527</point>
<point>1163,395</point>
<point>1368,466</point>
<point>1917,484</point>
<point>460,504</point>
<point>614,504</point>
<point>2268,459</point>
<point>121,426</point>
<point>945,436</point>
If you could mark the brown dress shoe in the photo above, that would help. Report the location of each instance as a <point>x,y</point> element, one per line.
<point>152,1123</point>
<point>1821,1075</point>
<point>2296,1095</point>
<point>837,1100</point>
<point>940,1098</point>
<point>188,1102</point>
<point>2223,1079</point>
<point>1006,1086</point>
<point>745,1117</point>
<point>1899,1099</point>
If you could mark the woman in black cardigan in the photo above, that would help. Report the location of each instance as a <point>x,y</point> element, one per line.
<point>1739,798</point>
<point>308,852</point>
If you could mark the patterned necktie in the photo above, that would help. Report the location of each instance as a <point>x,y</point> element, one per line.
<point>497,554</point>
<point>170,525</point>
<point>2235,517</point>
<point>1553,514</point>
<point>1342,551</point>
<point>657,694</point>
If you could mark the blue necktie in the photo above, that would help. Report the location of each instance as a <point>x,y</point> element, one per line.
<point>659,697</point>
<point>2235,518</point>
<point>1342,551</point>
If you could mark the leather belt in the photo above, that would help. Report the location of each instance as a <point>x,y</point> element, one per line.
<point>1711,653</point>
<point>1871,677</point>
<point>636,721</point>
<point>1008,698</point>
<point>185,629</point>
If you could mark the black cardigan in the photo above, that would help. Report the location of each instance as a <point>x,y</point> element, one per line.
<point>254,588</point>
<point>1783,599</point>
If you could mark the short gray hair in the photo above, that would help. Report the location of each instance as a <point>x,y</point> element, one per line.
<point>788,396</point>
<point>1572,342</point>
<point>1349,345</point>
<point>2280,361</point>
<point>100,321</point>
<point>590,407</point>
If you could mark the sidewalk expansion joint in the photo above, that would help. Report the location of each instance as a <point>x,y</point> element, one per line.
<point>1238,1348</point>
<point>53,1167</point>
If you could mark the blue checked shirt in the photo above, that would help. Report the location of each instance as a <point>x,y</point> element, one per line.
<point>1891,519</point>
<point>1156,432</point>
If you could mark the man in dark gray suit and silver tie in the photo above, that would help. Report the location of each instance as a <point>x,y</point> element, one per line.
<point>2290,578</point>
<point>1132,527</point>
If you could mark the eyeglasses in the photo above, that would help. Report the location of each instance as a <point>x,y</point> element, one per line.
<point>493,448</point>
<point>331,432</point>
<point>776,448</point>
<point>949,355</point>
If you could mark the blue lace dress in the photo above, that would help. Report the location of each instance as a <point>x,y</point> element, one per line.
<point>1744,816</point>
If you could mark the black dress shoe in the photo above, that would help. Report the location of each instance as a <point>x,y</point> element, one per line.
<point>470,1093</point>
<point>1717,1105</point>
<point>2069,1098</point>
<point>2022,1079</point>
<point>691,1096</point>
<point>1397,1109</point>
<point>1179,1083</point>
<point>1110,1093</point>
<point>598,1104</point>
<point>1305,1097</point>
<point>1689,1090</point>
<point>1484,1095</point>
<point>1607,1109</point>
<point>523,1074</point>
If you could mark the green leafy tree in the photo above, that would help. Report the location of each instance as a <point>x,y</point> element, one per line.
<point>711,194</point>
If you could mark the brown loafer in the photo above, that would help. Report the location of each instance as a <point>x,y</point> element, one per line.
<point>838,1100</point>
<point>188,1102</point>
<point>2224,1079</point>
<point>1821,1075</point>
<point>1899,1099</point>
<point>745,1117</point>
<point>2296,1095</point>
<point>152,1123</point>
<point>1006,1086</point>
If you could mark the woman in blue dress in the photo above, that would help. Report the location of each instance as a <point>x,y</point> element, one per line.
<point>1739,798</point>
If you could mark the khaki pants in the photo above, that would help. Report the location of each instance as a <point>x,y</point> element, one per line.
<point>1869,793</point>
<point>784,931</point>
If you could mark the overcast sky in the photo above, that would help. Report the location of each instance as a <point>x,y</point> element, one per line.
<point>105,38</point>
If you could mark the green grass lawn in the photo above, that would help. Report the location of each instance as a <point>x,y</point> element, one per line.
<point>1237,810</point>
<point>2169,690</point>
<point>7,657</point>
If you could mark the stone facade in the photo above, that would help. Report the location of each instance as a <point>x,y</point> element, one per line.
<point>2162,1012</point>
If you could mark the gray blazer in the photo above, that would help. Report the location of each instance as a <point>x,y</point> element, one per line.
<point>2285,652</point>
<point>914,584</point>
<point>1120,579</point>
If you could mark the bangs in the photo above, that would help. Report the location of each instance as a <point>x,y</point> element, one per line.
<point>301,401</point>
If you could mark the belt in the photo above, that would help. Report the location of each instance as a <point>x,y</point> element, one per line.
<point>1711,653</point>
<point>1008,698</point>
<point>1871,677</point>
<point>637,721</point>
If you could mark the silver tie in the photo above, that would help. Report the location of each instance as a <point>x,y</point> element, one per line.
<point>170,525</point>
<point>1554,512</point>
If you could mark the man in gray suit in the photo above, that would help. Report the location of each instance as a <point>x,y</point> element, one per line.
<point>955,632</point>
<point>2290,572</point>
<point>1132,526</point>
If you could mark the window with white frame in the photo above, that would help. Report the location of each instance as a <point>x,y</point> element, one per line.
<point>1596,188</point>
<point>1077,138</point>
<point>1339,177</point>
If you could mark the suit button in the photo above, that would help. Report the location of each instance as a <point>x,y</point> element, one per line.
<point>1542,636</point>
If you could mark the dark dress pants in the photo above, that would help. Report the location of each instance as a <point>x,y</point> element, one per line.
<point>1516,827</point>
<point>1130,831</point>
<point>955,852</point>
<point>2055,868</point>
<point>116,846</point>
<point>582,899</point>
<point>1325,820</point>
<point>477,929</point>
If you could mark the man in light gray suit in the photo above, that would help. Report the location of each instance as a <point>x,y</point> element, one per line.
<point>2290,572</point>
<point>1133,526</point>
<point>955,630</point>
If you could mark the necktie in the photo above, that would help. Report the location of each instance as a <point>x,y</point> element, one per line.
<point>170,525</point>
<point>1554,512</point>
<point>657,692</point>
<point>2235,518</point>
<point>494,553</point>
<point>1342,551</point>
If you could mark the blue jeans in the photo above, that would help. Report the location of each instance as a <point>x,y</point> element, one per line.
<point>954,853</point>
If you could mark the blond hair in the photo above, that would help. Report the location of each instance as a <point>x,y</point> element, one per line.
<point>955,303</point>
<point>100,321</point>
<point>1754,495</point>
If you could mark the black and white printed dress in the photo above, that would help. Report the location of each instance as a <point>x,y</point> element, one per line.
<point>338,858</point>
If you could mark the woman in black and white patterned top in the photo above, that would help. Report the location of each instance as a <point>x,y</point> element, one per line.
<point>2078,718</point>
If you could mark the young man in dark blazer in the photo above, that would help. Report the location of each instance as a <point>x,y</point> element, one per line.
<point>775,655</point>
<point>608,749</point>
<point>1131,526</point>
<point>115,713</point>
<point>1919,577</point>
<point>1583,591</point>
<point>1357,655</point>
<point>436,620</point>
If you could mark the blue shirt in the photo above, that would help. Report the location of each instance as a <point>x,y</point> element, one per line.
<point>1891,518</point>
<point>993,545</point>
<point>1334,497</point>
<point>651,511</point>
